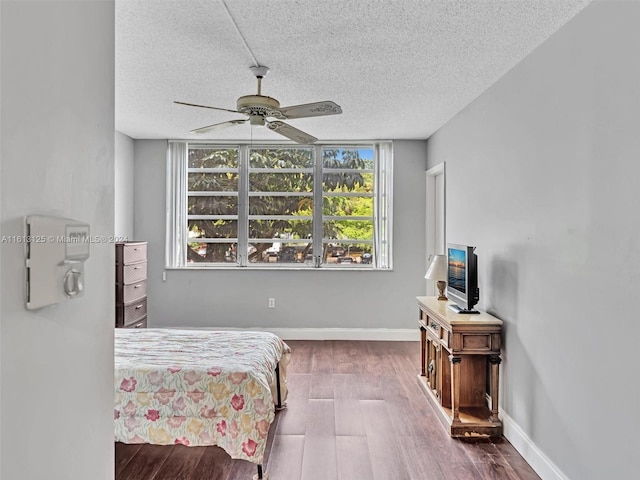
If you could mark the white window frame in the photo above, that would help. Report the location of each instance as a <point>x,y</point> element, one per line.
<point>176,206</point>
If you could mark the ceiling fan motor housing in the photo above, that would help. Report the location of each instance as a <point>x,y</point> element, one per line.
<point>259,105</point>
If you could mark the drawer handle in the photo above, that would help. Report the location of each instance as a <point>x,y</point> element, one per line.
<point>136,268</point>
<point>138,307</point>
<point>137,286</point>
<point>138,325</point>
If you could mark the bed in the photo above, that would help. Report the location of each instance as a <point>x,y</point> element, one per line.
<point>199,388</point>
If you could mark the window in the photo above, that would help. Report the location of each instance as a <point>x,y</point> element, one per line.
<point>320,206</point>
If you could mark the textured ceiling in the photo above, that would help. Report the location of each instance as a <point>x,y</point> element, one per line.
<point>398,69</point>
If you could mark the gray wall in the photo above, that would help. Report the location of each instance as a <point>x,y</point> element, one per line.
<point>542,175</point>
<point>123,189</point>
<point>304,299</point>
<point>56,382</point>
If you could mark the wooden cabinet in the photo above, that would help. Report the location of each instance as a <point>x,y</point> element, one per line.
<point>131,285</point>
<point>460,359</point>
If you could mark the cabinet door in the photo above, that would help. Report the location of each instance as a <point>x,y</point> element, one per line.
<point>432,364</point>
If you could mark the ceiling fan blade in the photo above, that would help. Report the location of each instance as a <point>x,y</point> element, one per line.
<point>218,126</point>
<point>205,106</point>
<point>290,132</point>
<point>316,109</point>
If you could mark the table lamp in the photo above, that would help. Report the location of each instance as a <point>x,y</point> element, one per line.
<point>438,271</point>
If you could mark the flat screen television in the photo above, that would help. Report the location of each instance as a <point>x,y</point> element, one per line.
<point>462,278</point>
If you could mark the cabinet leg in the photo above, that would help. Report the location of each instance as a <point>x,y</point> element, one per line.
<point>495,382</point>
<point>455,387</point>
<point>423,341</point>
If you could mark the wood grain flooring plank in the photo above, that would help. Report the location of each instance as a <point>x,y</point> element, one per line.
<point>372,387</point>
<point>319,458</point>
<point>298,385</point>
<point>496,471</point>
<point>320,415</point>
<point>146,463</point>
<point>416,446</point>
<point>348,357</point>
<point>293,419</point>
<point>182,463</point>
<point>285,460</point>
<point>522,469</point>
<point>352,458</point>
<point>377,360</point>
<point>214,464</point>
<point>461,471</point>
<point>242,470</point>
<point>450,450</point>
<point>123,455</point>
<point>346,385</point>
<point>384,448</point>
<point>420,459</point>
<point>479,449</point>
<point>321,385</point>
<point>348,417</point>
<point>301,356</point>
<point>504,447</point>
<point>322,361</point>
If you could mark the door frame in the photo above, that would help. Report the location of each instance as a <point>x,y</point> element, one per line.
<point>432,218</point>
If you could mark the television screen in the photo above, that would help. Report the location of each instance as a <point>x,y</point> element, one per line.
<point>462,278</point>
<point>457,269</point>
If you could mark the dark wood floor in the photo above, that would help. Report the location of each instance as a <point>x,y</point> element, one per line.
<point>355,411</point>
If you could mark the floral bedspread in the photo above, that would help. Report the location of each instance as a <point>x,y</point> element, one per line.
<point>197,388</point>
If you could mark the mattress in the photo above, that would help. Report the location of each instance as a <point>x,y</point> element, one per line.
<point>198,388</point>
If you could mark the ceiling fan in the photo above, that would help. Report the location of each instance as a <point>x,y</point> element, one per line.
<point>260,107</point>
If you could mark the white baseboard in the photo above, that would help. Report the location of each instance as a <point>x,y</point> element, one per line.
<point>543,466</point>
<point>388,334</point>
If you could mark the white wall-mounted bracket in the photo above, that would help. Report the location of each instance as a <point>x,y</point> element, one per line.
<point>55,251</point>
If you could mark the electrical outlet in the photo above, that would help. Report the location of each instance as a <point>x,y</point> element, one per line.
<point>272,303</point>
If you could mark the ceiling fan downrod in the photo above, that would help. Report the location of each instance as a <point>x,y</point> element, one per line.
<point>259,71</point>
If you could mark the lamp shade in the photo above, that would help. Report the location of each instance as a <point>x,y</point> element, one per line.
<point>437,268</point>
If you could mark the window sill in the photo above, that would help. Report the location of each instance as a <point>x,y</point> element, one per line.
<point>254,268</point>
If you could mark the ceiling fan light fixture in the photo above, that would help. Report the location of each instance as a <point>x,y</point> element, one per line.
<point>256,120</point>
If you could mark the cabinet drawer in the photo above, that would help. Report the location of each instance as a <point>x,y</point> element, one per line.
<point>131,252</point>
<point>139,324</point>
<point>134,273</point>
<point>433,327</point>
<point>130,293</point>
<point>135,312</point>
<point>437,332</point>
<point>476,343</point>
<point>126,315</point>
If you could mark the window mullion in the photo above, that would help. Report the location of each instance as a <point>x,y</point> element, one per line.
<point>317,206</point>
<point>243,206</point>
